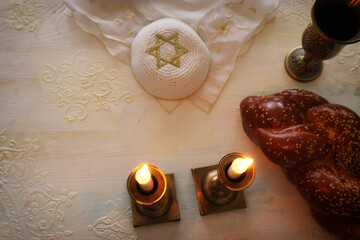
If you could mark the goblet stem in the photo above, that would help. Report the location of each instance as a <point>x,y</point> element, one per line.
<point>302,66</point>
<point>307,59</point>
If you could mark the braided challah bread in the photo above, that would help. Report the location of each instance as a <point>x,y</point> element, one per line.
<point>317,144</point>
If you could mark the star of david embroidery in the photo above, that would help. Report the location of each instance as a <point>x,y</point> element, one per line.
<point>174,41</point>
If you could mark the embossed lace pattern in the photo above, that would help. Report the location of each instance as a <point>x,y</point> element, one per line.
<point>298,10</point>
<point>25,14</point>
<point>351,54</point>
<point>86,84</point>
<point>116,225</point>
<point>29,208</point>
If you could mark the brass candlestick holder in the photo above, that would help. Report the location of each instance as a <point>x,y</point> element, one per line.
<point>157,206</point>
<point>217,192</point>
<point>335,23</point>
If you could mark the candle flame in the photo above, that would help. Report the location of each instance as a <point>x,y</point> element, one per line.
<point>240,165</point>
<point>143,175</point>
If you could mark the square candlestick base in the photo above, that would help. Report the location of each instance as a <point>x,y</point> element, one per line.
<point>172,215</point>
<point>206,207</point>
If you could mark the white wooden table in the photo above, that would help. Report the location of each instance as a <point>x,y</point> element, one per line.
<point>63,175</point>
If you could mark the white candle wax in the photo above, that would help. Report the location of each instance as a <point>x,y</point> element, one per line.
<point>143,177</point>
<point>238,167</point>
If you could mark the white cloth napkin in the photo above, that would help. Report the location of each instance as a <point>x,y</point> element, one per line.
<point>226,26</point>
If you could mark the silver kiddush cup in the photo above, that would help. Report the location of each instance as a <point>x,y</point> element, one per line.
<point>335,23</point>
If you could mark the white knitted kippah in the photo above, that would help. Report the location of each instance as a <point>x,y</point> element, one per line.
<point>169,59</point>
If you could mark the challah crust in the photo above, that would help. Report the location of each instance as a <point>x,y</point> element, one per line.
<point>317,144</point>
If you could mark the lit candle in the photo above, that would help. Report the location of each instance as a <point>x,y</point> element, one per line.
<point>143,177</point>
<point>238,167</point>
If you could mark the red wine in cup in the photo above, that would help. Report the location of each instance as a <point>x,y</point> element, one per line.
<point>338,21</point>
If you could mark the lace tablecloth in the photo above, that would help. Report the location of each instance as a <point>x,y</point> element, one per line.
<point>74,123</point>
